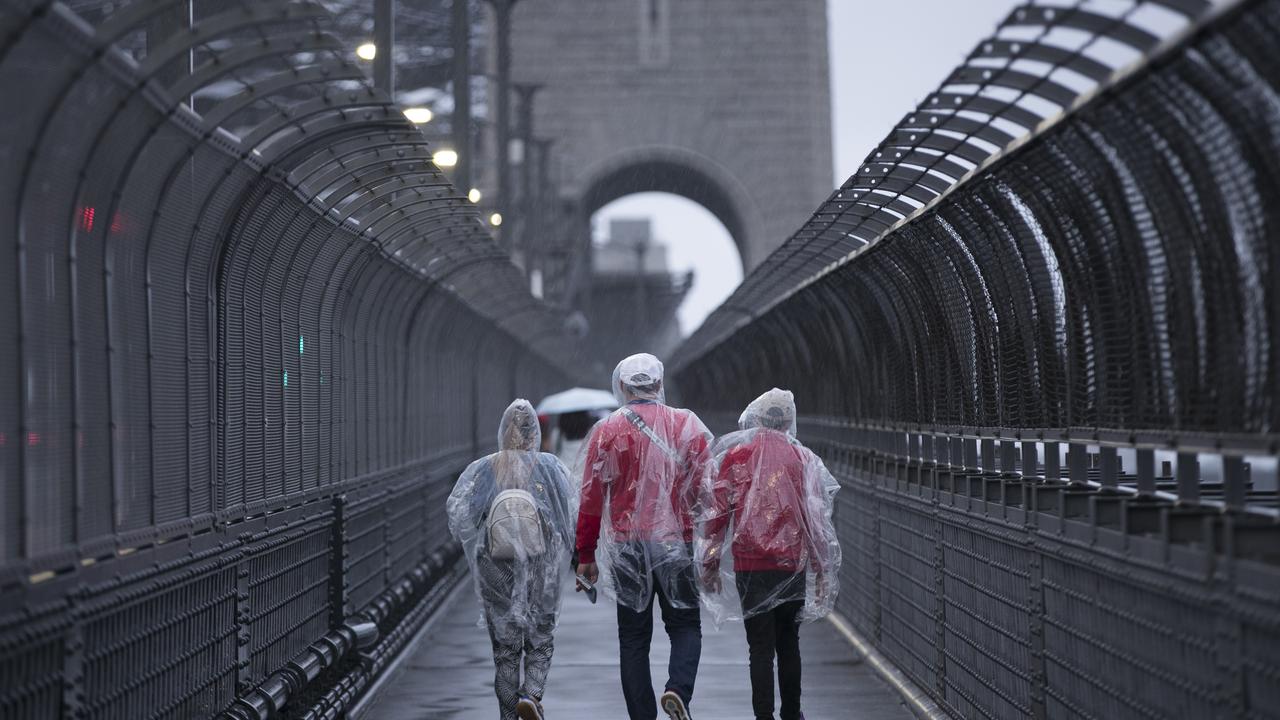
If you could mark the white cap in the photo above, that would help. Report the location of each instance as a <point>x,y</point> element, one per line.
<point>641,369</point>
<point>637,371</point>
<point>774,409</point>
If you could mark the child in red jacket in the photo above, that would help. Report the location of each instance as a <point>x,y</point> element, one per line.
<point>768,507</point>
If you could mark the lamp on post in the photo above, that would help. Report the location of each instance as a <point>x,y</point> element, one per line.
<point>384,38</point>
<point>541,215</point>
<point>461,122</point>
<point>523,237</point>
<point>502,17</point>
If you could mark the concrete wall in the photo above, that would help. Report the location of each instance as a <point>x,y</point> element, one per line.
<point>742,102</point>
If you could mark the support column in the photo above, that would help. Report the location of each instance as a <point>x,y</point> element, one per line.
<point>522,241</point>
<point>1077,463</point>
<point>502,20</point>
<point>543,217</point>
<point>1030,459</point>
<point>1109,470</point>
<point>1146,460</point>
<point>1052,461</point>
<point>1234,482</point>
<point>384,38</point>
<point>1188,478</point>
<point>461,121</point>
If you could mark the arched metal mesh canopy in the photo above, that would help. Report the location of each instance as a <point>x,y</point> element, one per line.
<point>267,82</point>
<point>1044,60</point>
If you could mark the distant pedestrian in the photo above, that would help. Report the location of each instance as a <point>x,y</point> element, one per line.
<point>572,430</point>
<point>513,513</point>
<point>640,481</point>
<point>770,510</point>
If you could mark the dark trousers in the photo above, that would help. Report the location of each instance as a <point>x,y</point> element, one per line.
<point>635,633</point>
<point>773,632</point>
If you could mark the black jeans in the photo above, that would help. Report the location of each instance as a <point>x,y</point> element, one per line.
<point>635,633</point>
<point>775,631</point>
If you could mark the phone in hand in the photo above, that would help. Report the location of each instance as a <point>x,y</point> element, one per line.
<point>588,588</point>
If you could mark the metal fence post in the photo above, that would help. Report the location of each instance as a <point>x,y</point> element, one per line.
<point>928,464</point>
<point>1109,471</point>
<point>940,604</point>
<point>338,563</point>
<point>73,669</point>
<point>1228,639</point>
<point>1030,459</point>
<point>244,649</point>
<point>1234,481</point>
<point>1035,628</point>
<point>1146,462</point>
<point>1052,461</point>
<point>1188,478</point>
<point>1008,456</point>
<point>384,32</point>
<point>970,454</point>
<point>1077,463</point>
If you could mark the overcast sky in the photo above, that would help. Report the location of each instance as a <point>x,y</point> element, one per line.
<point>915,43</point>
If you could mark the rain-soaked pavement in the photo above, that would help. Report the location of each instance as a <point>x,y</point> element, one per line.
<point>449,673</point>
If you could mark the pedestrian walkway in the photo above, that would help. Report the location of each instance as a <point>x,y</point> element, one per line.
<point>448,674</point>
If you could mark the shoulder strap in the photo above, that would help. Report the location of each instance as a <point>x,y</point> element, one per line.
<point>643,427</point>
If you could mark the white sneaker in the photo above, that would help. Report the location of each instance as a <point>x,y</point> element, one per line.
<point>673,706</point>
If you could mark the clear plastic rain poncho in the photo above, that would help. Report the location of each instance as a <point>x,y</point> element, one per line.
<point>641,470</point>
<point>765,535</point>
<point>513,511</point>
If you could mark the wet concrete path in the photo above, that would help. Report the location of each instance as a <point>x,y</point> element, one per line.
<point>448,674</point>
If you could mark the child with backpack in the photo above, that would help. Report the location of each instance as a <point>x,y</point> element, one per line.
<point>766,544</point>
<point>514,513</point>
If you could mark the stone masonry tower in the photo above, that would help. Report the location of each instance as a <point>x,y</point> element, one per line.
<point>725,102</point>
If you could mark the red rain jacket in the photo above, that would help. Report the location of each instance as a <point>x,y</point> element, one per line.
<point>763,483</point>
<point>617,452</point>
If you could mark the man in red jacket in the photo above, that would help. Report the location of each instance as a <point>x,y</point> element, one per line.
<point>770,502</point>
<point>635,530</point>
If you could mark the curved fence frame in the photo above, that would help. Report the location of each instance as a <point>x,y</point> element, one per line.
<point>1047,373</point>
<point>250,335</point>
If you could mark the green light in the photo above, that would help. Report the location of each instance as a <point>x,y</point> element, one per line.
<point>302,344</point>
<point>286,378</point>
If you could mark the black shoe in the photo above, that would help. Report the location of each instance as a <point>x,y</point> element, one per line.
<point>529,709</point>
<point>673,705</point>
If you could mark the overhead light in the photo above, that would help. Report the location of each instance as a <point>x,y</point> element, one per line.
<point>495,219</point>
<point>367,51</point>
<point>418,115</point>
<point>474,195</point>
<point>445,158</point>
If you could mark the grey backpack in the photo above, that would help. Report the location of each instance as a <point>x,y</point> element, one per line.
<point>514,526</point>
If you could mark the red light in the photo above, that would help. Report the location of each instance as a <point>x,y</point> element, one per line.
<point>33,439</point>
<point>117,223</point>
<point>86,219</point>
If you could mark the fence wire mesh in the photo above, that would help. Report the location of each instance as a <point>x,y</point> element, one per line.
<point>1037,342</point>
<point>249,333</point>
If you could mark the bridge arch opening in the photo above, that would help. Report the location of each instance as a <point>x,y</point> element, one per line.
<point>682,173</point>
<point>695,241</point>
<point>699,211</point>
